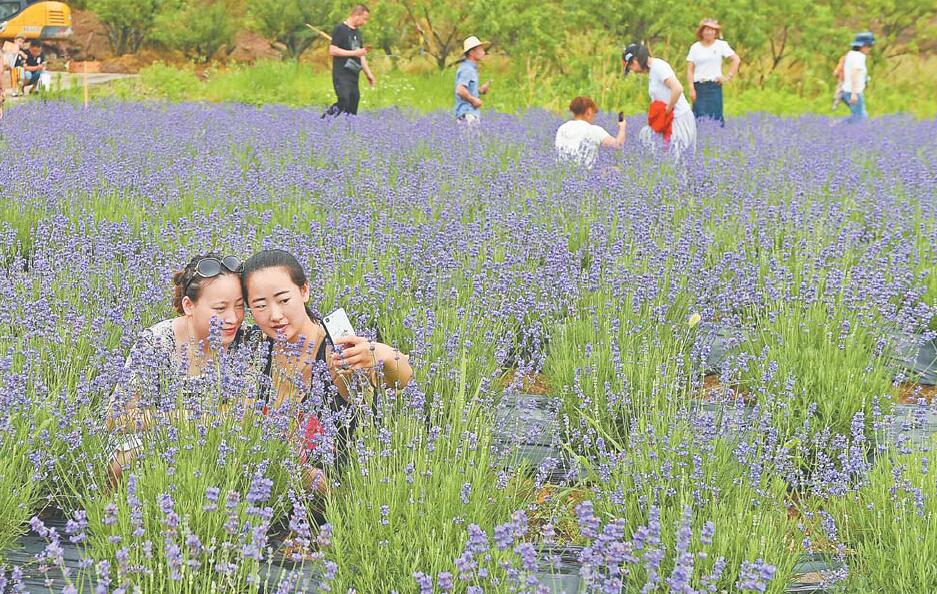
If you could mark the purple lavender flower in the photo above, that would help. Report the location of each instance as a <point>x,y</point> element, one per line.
<point>75,527</point>
<point>755,576</point>
<point>325,535</point>
<point>707,533</point>
<point>444,581</point>
<point>588,522</point>
<point>477,540</point>
<point>423,582</point>
<point>528,556</point>
<point>465,493</point>
<point>110,514</point>
<point>260,490</point>
<point>211,496</point>
<point>174,560</point>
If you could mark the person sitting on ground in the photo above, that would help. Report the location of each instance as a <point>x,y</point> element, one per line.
<point>665,90</point>
<point>468,103</point>
<point>14,58</point>
<point>207,296</point>
<point>34,66</point>
<point>303,364</point>
<point>579,139</point>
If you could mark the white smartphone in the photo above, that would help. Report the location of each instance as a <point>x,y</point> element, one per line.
<point>337,325</point>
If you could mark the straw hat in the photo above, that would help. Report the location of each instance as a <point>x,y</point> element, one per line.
<point>472,42</point>
<point>711,23</point>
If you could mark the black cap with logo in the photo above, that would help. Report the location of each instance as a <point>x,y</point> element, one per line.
<point>635,51</point>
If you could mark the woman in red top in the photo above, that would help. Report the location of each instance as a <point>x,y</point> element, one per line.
<point>302,360</point>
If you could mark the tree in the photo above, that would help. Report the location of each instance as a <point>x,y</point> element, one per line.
<point>198,28</point>
<point>284,21</point>
<point>128,22</point>
<point>441,26</point>
<point>901,24</point>
<point>786,40</point>
<point>388,26</point>
<point>521,28</point>
<point>652,21</point>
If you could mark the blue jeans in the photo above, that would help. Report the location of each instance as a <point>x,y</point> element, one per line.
<point>857,112</point>
<point>708,102</point>
<point>31,78</point>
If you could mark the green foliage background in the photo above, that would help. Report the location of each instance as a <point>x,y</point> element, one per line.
<point>544,52</point>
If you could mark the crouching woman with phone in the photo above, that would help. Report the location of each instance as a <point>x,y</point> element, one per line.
<point>304,365</point>
<point>579,139</point>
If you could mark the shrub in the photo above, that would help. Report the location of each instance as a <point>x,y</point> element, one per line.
<point>199,29</point>
<point>128,22</point>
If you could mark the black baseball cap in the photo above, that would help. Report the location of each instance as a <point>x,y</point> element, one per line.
<point>630,53</point>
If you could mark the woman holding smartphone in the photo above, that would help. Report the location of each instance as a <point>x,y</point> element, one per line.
<point>302,362</point>
<point>175,354</point>
<point>579,139</point>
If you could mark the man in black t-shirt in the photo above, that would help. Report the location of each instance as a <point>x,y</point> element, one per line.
<point>34,65</point>
<point>349,58</point>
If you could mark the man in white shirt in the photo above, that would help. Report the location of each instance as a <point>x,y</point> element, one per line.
<point>855,75</point>
<point>579,139</point>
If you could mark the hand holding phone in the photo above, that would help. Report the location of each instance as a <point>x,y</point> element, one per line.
<point>337,325</point>
<point>621,116</point>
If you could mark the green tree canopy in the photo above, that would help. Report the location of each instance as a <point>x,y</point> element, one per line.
<point>128,22</point>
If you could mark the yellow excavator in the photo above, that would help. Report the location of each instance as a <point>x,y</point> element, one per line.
<point>35,19</point>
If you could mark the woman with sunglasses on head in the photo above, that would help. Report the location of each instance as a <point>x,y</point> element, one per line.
<point>176,352</point>
<point>670,117</point>
<point>302,361</point>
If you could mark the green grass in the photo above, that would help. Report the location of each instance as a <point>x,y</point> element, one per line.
<point>513,89</point>
<point>20,483</point>
<point>888,524</point>
<point>681,476</point>
<point>400,461</point>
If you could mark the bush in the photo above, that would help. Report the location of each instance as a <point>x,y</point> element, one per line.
<point>285,22</point>
<point>887,524</point>
<point>166,82</point>
<point>198,29</point>
<point>19,491</point>
<point>128,22</point>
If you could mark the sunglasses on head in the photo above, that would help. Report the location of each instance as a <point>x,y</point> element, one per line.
<point>212,267</point>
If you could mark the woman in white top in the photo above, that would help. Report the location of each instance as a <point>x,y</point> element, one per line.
<point>578,140</point>
<point>855,76</point>
<point>704,70</point>
<point>168,362</point>
<point>663,86</point>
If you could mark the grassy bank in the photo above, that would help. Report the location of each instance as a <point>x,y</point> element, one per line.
<point>904,89</point>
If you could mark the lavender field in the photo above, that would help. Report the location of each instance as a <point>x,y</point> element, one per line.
<point>649,377</point>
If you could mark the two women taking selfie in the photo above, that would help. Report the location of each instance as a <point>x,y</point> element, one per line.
<point>288,360</point>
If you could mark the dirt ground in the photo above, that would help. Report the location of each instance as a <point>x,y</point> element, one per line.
<point>89,37</point>
<point>89,41</point>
